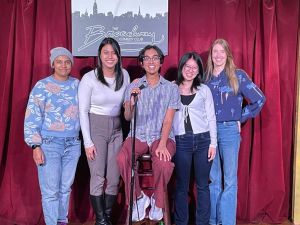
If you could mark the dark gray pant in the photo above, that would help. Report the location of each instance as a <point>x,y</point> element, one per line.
<point>107,136</point>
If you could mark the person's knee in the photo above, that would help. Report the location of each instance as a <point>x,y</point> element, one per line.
<point>163,167</point>
<point>112,189</point>
<point>230,180</point>
<point>230,184</point>
<point>48,195</point>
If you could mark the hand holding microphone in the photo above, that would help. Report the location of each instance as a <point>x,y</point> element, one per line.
<point>129,105</point>
<point>136,91</point>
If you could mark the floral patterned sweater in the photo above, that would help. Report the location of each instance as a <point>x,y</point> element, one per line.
<point>52,110</point>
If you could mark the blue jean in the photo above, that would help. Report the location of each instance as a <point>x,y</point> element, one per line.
<point>223,195</point>
<point>192,148</point>
<point>56,176</point>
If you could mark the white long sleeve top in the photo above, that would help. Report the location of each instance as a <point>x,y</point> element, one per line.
<point>202,115</point>
<point>97,98</point>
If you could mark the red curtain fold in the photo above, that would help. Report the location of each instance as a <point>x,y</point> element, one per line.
<point>263,38</point>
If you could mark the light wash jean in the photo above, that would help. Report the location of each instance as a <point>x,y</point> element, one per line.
<point>223,193</point>
<point>56,176</point>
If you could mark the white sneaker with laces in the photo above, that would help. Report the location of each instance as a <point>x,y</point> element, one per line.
<point>155,213</point>
<point>139,208</point>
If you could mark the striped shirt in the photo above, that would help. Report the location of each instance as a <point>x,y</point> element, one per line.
<point>152,105</point>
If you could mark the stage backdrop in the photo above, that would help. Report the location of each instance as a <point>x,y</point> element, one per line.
<point>263,37</point>
<point>133,23</point>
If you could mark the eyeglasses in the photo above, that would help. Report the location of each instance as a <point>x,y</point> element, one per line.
<point>155,58</point>
<point>189,67</point>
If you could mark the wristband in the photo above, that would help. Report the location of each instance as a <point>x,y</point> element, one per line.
<point>35,146</point>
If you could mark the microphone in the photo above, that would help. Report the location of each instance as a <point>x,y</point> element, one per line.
<point>140,87</point>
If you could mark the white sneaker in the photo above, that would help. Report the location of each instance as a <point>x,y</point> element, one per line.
<point>155,213</point>
<point>139,208</point>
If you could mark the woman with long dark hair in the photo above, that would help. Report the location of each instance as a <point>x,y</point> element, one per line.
<point>101,93</point>
<point>195,132</point>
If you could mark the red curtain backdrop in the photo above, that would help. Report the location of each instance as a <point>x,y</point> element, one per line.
<point>263,38</point>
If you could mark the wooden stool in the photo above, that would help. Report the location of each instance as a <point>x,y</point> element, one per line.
<point>144,169</point>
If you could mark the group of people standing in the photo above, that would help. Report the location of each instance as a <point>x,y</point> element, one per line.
<point>194,122</point>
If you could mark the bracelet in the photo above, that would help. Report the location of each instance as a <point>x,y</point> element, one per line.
<point>35,146</point>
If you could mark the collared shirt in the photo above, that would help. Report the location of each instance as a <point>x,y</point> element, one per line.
<point>228,106</point>
<point>152,105</point>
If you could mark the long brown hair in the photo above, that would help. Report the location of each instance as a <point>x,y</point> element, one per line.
<point>230,67</point>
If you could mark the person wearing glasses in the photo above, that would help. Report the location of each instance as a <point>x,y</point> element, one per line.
<point>158,99</point>
<point>230,87</point>
<point>51,129</point>
<point>101,94</point>
<point>195,132</point>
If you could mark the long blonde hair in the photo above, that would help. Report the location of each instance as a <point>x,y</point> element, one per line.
<point>230,67</point>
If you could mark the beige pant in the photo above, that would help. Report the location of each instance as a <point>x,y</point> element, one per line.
<point>106,134</point>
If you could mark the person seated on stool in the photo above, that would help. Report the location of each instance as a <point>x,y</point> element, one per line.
<point>158,99</point>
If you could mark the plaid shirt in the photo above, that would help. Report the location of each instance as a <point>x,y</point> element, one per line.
<point>152,105</point>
